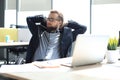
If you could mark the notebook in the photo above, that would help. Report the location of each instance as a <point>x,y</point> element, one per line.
<point>88,49</point>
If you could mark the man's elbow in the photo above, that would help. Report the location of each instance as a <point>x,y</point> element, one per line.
<point>83,29</point>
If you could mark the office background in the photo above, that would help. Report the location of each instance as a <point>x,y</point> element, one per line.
<point>100,16</point>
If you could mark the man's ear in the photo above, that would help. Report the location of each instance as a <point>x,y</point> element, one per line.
<point>60,24</point>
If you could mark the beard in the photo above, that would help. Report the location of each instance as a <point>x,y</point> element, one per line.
<point>50,29</point>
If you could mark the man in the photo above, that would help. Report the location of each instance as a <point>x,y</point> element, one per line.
<point>53,41</point>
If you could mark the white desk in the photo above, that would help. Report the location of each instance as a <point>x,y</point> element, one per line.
<point>101,71</point>
<point>12,44</point>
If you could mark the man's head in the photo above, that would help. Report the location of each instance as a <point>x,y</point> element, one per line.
<point>54,21</point>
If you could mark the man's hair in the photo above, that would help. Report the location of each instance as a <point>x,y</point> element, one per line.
<point>60,15</point>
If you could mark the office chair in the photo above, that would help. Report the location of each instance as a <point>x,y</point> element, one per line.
<point>3,60</point>
<point>17,50</point>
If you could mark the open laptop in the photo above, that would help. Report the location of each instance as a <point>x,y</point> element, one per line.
<point>88,49</point>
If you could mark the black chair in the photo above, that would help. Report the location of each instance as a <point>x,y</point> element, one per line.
<point>18,50</point>
<point>3,59</point>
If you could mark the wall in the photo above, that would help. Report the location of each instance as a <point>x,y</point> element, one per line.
<point>105,1</point>
<point>77,10</point>
<point>106,17</point>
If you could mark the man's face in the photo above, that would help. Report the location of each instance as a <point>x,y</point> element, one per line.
<point>53,22</point>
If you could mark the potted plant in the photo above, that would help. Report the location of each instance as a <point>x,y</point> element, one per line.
<point>112,44</point>
<point>112,52</point>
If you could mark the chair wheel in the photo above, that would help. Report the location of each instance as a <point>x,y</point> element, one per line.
<point>20,61</point>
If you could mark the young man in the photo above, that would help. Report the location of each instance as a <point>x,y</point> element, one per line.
<point>52,39</point>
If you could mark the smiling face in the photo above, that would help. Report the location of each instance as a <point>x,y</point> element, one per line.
<point>54,21</point>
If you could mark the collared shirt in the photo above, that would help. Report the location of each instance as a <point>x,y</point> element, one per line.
<point>48,47</point>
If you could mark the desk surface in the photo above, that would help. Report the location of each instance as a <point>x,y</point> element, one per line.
<point>101,71</point>
<point>10,44</point>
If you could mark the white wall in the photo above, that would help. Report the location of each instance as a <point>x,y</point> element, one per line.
<point>10,18</point>
<point>106,19</point>
<point>78,10</point>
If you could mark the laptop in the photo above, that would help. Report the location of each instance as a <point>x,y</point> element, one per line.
<point>88,49</point>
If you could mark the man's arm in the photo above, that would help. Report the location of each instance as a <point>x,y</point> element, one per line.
<point>77,28</point>
<point>31,21</point>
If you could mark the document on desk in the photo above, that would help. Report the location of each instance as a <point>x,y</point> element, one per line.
<point>45,64</point>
